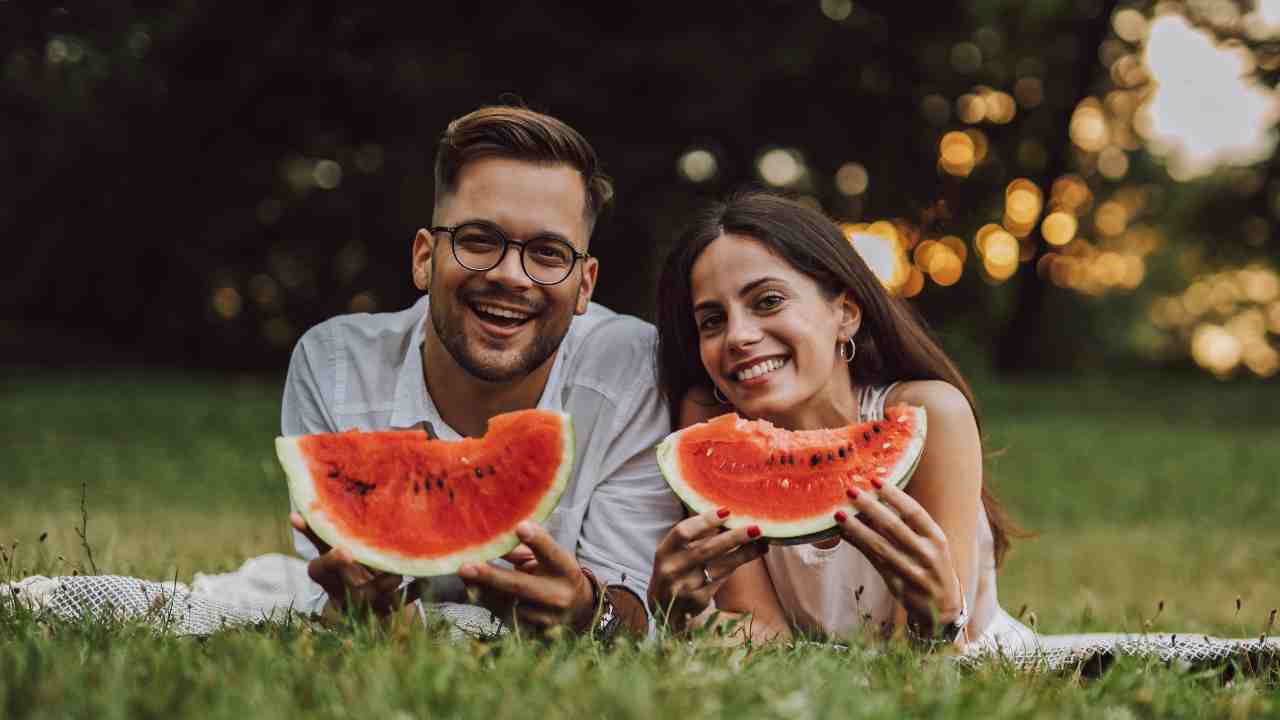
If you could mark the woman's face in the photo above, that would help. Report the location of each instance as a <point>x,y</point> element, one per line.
<point>767,335</point>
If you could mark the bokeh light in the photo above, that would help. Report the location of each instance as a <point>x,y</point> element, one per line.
<point>1227,319</point>
<point>698,165</point>
<point>1022,204</point>
<point>1059,227</point>
<point>957,154</point>
<point>1088,127</point>
<point>781,167</point>
<point>852,179</point>
<point>226,302</point>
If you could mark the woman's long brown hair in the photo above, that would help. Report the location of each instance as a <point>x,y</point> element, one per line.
<point>893,342</point>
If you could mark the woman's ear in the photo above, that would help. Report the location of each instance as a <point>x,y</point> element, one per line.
<point>850,315</point>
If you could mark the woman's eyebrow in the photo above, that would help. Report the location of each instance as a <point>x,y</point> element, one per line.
<point>746,289</point>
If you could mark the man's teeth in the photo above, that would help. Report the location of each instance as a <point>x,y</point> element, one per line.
<point>501,312</point>
<point>761,368</point>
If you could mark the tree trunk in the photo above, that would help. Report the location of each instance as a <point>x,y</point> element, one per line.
<point>1019,349</point>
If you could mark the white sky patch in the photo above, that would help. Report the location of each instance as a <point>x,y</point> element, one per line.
<point>1267,12</point>
<point>880,254</point>
<point>1204,112</point>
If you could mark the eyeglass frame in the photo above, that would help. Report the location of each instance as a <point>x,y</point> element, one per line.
<point>507,242</point>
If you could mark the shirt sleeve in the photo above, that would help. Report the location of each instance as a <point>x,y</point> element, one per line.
<point>632,507</point>
<point>305,409</point>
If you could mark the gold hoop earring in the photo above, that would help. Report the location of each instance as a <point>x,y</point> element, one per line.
<point>853,349</point>
<point>715,391</point>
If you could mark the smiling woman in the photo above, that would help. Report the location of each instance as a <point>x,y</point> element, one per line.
<point>765,307</point>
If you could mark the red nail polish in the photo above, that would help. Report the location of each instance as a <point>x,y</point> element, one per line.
<point>852,493</point>
<point>877,483</point>
<point>841,516</point>
<point>753,532</point>
<point>723,512</point>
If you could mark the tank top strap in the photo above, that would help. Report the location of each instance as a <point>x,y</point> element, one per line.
<point>871,401</point>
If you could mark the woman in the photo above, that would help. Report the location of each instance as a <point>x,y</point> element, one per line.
<point>765,309</point>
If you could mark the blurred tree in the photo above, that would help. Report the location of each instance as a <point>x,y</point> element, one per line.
<point>198,184</point>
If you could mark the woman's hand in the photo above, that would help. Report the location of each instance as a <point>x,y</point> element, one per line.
<point>911,553</point>
<point>694,560</point>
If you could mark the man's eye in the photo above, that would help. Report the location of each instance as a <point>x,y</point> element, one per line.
<point>479,241</point>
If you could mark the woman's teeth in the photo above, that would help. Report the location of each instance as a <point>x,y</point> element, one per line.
<point>761,368</point>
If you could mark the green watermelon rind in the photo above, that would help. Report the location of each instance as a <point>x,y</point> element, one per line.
<point>302,492</point>
<point>793,532</point>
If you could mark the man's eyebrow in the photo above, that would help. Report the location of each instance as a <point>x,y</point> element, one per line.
<point>746,289</point>
<point>540,234</point>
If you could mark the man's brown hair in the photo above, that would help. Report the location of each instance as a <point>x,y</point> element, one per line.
<point>520,134</point>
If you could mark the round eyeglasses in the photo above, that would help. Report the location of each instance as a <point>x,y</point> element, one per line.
<point>480,247</point>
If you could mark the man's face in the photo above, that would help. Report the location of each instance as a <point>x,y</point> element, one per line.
<point>499,325</point>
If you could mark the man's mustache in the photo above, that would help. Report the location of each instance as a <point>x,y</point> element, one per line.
<point>499,297</point>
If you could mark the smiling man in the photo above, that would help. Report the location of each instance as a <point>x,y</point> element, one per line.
<point>506,323</point>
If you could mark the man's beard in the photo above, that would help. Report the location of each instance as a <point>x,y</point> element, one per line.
<point>448,327</point>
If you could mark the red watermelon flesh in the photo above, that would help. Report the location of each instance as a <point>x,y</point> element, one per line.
<point>404,503</point>
<point>789,483</point>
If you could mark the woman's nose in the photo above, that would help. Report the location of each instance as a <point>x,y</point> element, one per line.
<point>741,332</point>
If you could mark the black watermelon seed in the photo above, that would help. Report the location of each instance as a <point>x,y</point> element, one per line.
<point>876,427</point>
<point>866,437</point>
<point>815,459</point>
<point>830,456</point>
<point>842,453</point>
<point>440,484</point>
<point>333,472</point>
<point>478,473</point>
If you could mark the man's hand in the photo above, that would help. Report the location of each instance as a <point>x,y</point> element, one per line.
<point>351,585</point>
<point>547,589</point>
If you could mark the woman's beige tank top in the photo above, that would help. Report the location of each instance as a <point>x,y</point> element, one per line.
<point>831,592</point>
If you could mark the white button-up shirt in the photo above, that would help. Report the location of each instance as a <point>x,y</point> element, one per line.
<point>365,372</point>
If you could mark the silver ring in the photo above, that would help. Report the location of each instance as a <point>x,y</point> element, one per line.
<point>707,576</point>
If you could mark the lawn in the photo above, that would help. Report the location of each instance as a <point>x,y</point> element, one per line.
<point>1153,500</point>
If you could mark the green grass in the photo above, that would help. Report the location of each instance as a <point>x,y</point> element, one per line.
<point>1142,491</point>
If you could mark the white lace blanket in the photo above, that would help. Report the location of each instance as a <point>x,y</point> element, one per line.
<point>265,587</point>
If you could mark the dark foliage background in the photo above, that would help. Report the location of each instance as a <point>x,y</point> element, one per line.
<point>154,155</point>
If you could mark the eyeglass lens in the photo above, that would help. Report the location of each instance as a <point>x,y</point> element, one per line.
<point>545,260</point>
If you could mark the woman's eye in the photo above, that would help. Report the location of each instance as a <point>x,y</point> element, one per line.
<point>709,322</point>
<point>769,302</point>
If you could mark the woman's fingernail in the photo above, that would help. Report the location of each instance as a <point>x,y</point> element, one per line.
<point>723,512</point>
<point>852,493</point>
<point>841,516</point>
<point>877,483</point>
<point>753,531</point>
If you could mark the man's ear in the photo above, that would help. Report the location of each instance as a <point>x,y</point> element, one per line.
<point>850,315</point>
<point>590,267</point>
<point>424,246</point>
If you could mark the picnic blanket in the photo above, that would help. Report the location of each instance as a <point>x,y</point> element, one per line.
<point>264,590</point>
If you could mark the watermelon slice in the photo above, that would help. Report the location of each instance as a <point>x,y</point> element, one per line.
<point>789,483</point>
<point>404,503</point>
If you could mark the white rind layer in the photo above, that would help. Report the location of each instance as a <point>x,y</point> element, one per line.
<point>899,474</point>
<point>302,491</point>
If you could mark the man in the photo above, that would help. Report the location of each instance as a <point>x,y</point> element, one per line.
<point>507,323</point>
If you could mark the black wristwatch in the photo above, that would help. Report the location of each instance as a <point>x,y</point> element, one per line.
<point>606,617</point>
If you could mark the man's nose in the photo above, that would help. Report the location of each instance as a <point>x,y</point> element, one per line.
<point>509,271</point>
